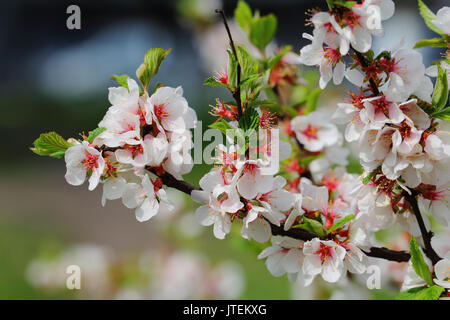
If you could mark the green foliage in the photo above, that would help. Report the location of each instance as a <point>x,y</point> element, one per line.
<point>94,133</point>
<point>428,16</point>
<point>421,293</point>
<point>442,114</point>
<point>371,175</point>
<point>213,83</point>
<point>121,80</point>
<point>345,4</point>
<point>260,30</point>
<point>440,94</point>
<point>50,144</point>
<point>305,161</point>
<point>276,58</point>
<point>312,100</point>
<point>263,30</point>
<point>312,225</point>
<point>152,61</point>
<point>435,42</point>
<point>249,120</point>
<point>243,16</point>
<point>418,263</point>
<point>221,125</point>
<point>340,223</point>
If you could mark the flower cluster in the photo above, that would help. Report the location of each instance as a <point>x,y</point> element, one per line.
<point>140,136</point>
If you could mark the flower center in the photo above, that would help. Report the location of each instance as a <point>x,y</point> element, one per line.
<point>135,149</point>
<point>331,55</point>
<point>310,132</point>
<point>382,106</point>
<point>325,252</point>
<point>160,111</point>
<point>405,130</point>
<point>90,161</point>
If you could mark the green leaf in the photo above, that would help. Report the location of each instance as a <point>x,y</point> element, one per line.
<point>305,161</point>
<point>443,114</point>
<point>249,66</point>
<point>250,79</point>
<point>340,223</point>
<point>249,120</point>
<point>370,175</point>
<point>121,80</point>
<point>345,4</point>
<point>418,263</point>
<point>312,100</point>
<point>421,293</point>
<point>440,94</point>
<point>263,30</point>
<point>428,16</point>
<point>276,58</point>
<point>152,61</point>
<point>330,4</point>
<point>50,144</point>
<point>243,16</point>
<point>94,133</point>
<point>435,43</point>
<point>212,82</point>
<point>311,225</point>
<point>222,126</point>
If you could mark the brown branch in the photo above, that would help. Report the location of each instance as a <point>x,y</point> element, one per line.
<point>426,235</point>
<point>300,234</point>
<point>363,62</point>
<point>237,91</point>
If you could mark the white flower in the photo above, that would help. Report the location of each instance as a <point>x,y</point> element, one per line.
<point>253,182</point>
<point>81,161</point>
<point>329,60</point>
<point>442,271</point>
<point>315,131</point>
<point>334,155</point>
<point>442,20</point>
<point>219,199</point>
<point>436,201</point>
<point>297,211</point>
<point>123,99</point>
<point>355,260</point>
<point>376,205</point>
<point>313,198</point>
<point>286,256</point>
<point>406,76</point>
<point>144,198</point>
<point>325,258</point>
<point>179,160</point>
<point>381,111</point>
<point>437,144</point>
<point>272,204</point>
<point>355,117</point>
<point>121,128</point>
<point>170,109</point>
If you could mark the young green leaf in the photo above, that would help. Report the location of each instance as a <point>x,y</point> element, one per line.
<point>421,293</point>
<point>263,30</point>
<point>418,263</point>
<point>222,126</point>
<point>311,225</point>
<point>149,68</point>
<point>121,80</point>
<point>249,120</point>
<point>440,94</point>
<point>428,16</point>
<point>50,144</point>
<point>340,223</point>
<point>94,133</point>
<point>371,175</point>
<point>243,16</point>
<point>443,114</point>
<point>435,43</point>
<point>276,58</point>
<point>312,100</point>
<point>212,82</point>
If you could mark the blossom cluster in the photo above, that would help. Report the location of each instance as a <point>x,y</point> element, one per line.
<point>141,135</point>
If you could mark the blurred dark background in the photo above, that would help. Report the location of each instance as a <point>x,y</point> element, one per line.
<point>56,79</point>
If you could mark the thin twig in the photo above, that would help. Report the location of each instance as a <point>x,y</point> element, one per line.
<point>237,91</point>
<point>426,235</point>
<point>362,60</point>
